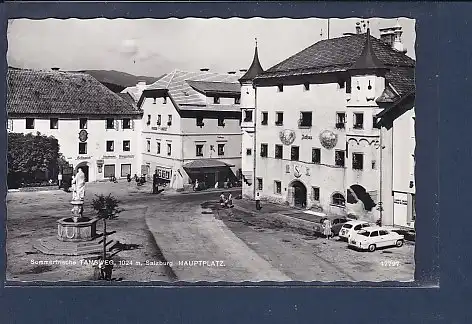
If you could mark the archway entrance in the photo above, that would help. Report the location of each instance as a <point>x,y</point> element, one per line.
<point>299,194</point>
<point>85,169</point>
<point>358,192</point>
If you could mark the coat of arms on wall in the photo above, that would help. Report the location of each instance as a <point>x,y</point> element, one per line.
<point>328,139</point>
<point>287,136</point>
<point>83,135</point>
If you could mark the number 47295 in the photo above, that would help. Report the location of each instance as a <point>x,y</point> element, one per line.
<point>390,263</point>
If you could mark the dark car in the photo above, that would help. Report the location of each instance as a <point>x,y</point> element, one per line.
<point>337,223</point>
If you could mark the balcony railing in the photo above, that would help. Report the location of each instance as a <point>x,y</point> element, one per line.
<point>340,125</point>
<point>303,123</point>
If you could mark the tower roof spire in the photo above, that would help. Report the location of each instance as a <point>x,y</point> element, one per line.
<point>368,60</point>
<point>254,69</point>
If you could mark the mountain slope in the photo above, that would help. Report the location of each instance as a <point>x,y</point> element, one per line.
<point>118,78</point>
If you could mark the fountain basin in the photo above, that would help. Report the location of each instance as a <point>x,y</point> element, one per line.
<point>85,229</point>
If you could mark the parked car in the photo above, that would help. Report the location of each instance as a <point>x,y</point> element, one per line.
<point>337,224</point>
<point>350,227</point>
<point>371,238</point>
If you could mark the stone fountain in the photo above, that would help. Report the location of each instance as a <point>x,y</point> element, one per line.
<point>77,234</point>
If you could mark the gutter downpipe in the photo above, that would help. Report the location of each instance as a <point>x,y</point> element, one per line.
<point>381,170</point>
<point>255,126</point>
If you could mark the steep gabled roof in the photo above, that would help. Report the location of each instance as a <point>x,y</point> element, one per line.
<point>254,70</point>
<point>62,93</point>
<point>184,88</point>
<point>367,60</point>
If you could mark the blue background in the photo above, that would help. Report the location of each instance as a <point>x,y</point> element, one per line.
<point>443,160</point>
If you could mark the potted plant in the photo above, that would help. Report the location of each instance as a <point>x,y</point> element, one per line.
<point>106,207</point>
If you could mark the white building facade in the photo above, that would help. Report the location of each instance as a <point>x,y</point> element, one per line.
<point>191,129</point>
<point>96,129</point>
<point>317,136</point>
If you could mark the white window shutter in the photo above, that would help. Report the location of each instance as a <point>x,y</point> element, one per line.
<point>117,123</point>
<point>132,124</point>
<point>122,124</point>
<point>106,123</point>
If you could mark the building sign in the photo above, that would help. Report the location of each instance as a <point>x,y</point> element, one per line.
<point>400,201</point>
<point>107,157</point>
<point>297,172</point>
<point>129,156</point>
<point>80,157</point>
<point>154,128</point>
<point>287,136</point>
<point>164,174</point>
<point>83,135</point>
<point>220,137</point>
<point>100,162</point>
<point>163,128</point>
<point>307,137</point>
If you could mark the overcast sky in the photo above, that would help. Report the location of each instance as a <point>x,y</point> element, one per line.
<point>153,47</point>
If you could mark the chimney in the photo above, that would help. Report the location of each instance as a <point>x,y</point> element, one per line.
<point>232,72</point>
<point>393,37</point>
<point>140,86</point>
<point>55,69</point>
<point>205,69</point>
<point>358,27</point>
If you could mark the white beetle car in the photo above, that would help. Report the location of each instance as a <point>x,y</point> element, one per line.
<point>351,227</point>
<point>374,237</point>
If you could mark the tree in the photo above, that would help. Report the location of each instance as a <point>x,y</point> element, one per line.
<point>31,156</point>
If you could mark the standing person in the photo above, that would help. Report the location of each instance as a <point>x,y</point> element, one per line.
<point>59,179</point>
<point>327,228</point>
<point>154,182</point>
<point>128,177</point>
<point>195,188</point>
<point>230,200</point>
<point>258,202</point>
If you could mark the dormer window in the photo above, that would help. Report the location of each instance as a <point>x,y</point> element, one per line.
<point>248,115</point>
<point>216,100</point>
<point>154,101</point>
<point>164,100</point>
<point>280,88</point>
<point>237,100</point>
<point>348,86</point>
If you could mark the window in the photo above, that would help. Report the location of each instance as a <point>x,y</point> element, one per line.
<point>169,120</point>
<point>164,100</point>
<point>83,123</point>
<point>154,101</point>
<point>305,119</point>
<point>110,123</point>
<point>199,148</point>
<point>29,123</point>
<point>158,120</point>
<point>216,100</point>
<point>148,120</point>
<point>110,146</point>
<point>316,193</point>
<point>340,120</point>
<point>221,121</point>
<point>374,233</point>
<point>338,199</point>
<point>248,151</point>
<point>221,149</point>
<point>265,118</point>
<point>306,86</point>
<point>125,170</point>
<point>158,149</point>
<point>82,148</point>
<point>169,149</point>
<point>109,170</point>
<point>237,100</point>
<point>126,146</point>
<point>279,120</point>
<point>357,161</point>
<point>374,164</point>
<point>375,123</point>
<point>279,151</point>
<point>294,153</point>
<point>264,150</point>
<point>148,146</point>
<point>358,120</point>
<point>126,123</point>
<point>382,232</point>
<point>278,187</point>
<point>348,85</point>
<point>248,115</point>
<point>339,158</point>
<point>259,183</point>
<point>316,155</point>
<point>280,88</point>
<point>341,83</point>
<point>53,123</point>
<point>200,121</point>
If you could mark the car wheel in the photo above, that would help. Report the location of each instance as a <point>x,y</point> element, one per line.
<point>371,248</point>
<point>399,243</point>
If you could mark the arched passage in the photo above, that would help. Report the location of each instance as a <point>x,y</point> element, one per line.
<point>359,192</point>
<point>299,194</point>
<point>85,169</point>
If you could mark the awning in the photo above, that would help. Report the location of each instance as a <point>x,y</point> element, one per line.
<point>206,163</point>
